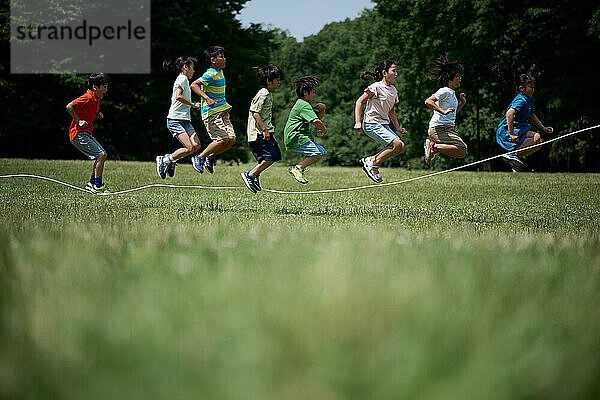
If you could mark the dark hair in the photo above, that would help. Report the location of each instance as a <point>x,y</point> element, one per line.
<point>97,80</point>
<point>268,73</point>
<point>505,73</point>
<point>213,51</point>
<point>177,65</point>
<point>377,73</point>
<point>306,84</point>
<point>443,70</point>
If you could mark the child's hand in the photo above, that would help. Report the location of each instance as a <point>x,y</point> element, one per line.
<point>82,123</point>
<point>402,131</point>
<point>448,111</point>
<point>320,107</point>
<point>319,133</point>
<point>100,115</point>
<point>463,98</point>
<point>210,102</point>
<point>197,106</point>
<point>357,126</point>
<point>513,137</point>
<point>266,134</point>
<point>549,129</point>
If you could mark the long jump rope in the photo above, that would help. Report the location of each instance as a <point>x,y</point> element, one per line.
<point>300,192</point>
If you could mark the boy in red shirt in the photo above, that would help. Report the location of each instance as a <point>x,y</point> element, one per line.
<point>84,110</point>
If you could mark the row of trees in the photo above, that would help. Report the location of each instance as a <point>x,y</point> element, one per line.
<point>558,43</point>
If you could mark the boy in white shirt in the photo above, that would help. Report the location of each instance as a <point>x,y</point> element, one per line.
<point>445,106</point>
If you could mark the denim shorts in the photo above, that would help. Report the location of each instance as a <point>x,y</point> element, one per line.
<point>177,127</point>
<point>265,149</point>
<point>88,145</point>
<point>380,133</point>
<point>310,149</point>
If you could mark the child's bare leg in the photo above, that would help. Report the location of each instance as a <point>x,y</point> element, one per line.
<point>450,150</point>
<point>264,164</point>
<point>308,160</point>
<point>191,144</point>
<point>99,164</point>
<point>531,139</point>
<point>217,147</point>
<point>393,149</point>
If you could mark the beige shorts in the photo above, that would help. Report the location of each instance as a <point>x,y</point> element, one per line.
<point>445,134</point>
<point>219,126</point>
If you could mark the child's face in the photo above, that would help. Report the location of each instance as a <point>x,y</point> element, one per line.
<point>188,70</point>
<point>274,84</point>
<point>455,82</point>
<point>100,90</point>
<point>309,97</point>
<point>219,61</point>
<point>391,74</point>
<point>528,89</point>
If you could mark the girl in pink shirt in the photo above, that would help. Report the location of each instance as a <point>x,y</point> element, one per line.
<point>381,97</point>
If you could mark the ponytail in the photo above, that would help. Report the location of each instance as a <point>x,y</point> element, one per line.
<point>505,74</point>
<point>377,73</point>
<point>177,65</point>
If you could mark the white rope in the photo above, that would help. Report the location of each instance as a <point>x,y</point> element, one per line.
<point>302,192</point>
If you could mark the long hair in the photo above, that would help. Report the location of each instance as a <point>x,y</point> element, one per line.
<point>443,70</point>
<point>177,65</point>
<point>505,74</point>
<point>377,73</point>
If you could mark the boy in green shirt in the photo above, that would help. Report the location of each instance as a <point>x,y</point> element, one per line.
<point>297,135</point>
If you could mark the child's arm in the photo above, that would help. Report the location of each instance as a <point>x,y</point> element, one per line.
<point>321,128</point>
<point>196,88</point>
<point>431,103</point>
<point>510,124</point>
<point>358,108</point>
<point>71,109</point>
<point>259,121</point>
<point>394,120</point>
<point>539,124</point>
<point>179,97</point>
<point>463,101</point>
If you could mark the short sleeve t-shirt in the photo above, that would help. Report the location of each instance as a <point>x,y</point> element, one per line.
<point>297,129</point>
<point>214,84</point>
<point>179,110</point>
<point>446,98</point>
<point>87,107</point>
<point>261,104</point>
<point>381,103</point>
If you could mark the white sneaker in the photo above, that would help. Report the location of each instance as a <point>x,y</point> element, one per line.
<point>371,170</point>
<point>513,160</point>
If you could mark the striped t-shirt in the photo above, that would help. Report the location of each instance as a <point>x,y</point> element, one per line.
<point>213,84</point>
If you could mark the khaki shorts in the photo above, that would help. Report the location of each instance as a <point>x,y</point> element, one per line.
<point>445,134</point>
<point>219,126</point>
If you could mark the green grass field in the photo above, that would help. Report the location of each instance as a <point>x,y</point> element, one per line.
<point>463,286</point>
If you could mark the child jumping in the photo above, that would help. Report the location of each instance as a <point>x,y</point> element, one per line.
<point>179,119</point>
<point>381,97</point>
<point>260,128</point>
<point>445,106</point>
<point>215,109</point>
<point>513,132</point>
<point>84,110</point>
<point>296,135</point>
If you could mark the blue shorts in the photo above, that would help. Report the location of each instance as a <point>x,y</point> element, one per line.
<point>310,149</point>
<point>88,145</point>
<point>265,149</point>
<point>177,127</point>
<point>380,133</point>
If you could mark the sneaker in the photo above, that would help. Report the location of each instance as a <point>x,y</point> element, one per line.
<point>371,170</point>
<point>298,174</point>
<point>198,163</point>
<point>161,167</point>
<point>171,169</point>
<point>256,182</point>
<point>513,160</point>
<point>209,164</point>
<point>248,181</point>
<point>430,151</point>
<point>90,187</point>
<point>103,189</point>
